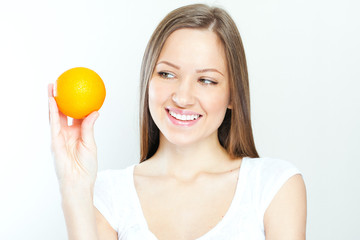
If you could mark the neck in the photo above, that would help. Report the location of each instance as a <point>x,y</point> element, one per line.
<point>187,162</point>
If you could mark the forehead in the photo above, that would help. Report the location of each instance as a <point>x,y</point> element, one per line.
<point>199,48</point>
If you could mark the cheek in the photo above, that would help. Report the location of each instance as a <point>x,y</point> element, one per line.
<point>158,94</point>
<point>217,102</point>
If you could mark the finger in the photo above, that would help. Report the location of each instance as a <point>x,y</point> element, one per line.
<point>87,128</point>
<point>77,122</point>
<point>54,116</point>
<point>62,117</point>
<point>51,90</point>
<point>50,94</point>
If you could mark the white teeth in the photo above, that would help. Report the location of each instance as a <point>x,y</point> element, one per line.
<point>184,117</point>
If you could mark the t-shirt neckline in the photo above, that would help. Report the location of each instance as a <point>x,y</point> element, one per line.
<point>234,205</point>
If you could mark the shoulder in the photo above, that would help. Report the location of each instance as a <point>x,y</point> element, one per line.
<point>281,196</point>
<point>113,177</point>
<point>269,171</point>
<point>114,173</point>
<point>285,217</point>
<point>267,164</point>
<point>265,177</point>
<point>113,193</point>
<point>114,183</point>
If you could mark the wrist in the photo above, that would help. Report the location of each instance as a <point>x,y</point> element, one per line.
<point>76,192</point>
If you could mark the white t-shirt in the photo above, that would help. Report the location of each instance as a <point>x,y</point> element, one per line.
<point>259,180</point>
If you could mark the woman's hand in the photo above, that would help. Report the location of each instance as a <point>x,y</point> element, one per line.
<point>74,149</point>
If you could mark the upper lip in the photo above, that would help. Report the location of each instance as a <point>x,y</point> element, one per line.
<point>182,112</point>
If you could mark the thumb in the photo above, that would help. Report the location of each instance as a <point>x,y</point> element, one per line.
<point>87,128</point>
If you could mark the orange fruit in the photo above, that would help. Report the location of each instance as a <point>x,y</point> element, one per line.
<point>79,91</point>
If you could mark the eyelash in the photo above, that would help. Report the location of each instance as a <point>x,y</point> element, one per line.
<point>165,75</point>
<point>203,81</point>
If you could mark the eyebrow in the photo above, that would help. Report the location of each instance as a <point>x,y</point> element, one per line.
<point>168,63</point>
<point>198,71</point>
<point>209,70</point>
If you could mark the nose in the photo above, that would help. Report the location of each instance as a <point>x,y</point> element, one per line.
<point>183,95</point>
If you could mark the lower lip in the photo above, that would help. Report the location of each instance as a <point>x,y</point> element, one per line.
<point>186,123</point>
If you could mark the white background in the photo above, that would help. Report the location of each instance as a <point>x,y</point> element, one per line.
<point>303,59</point>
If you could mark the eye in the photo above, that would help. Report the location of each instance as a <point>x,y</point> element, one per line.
<point>207,81</point>
<point>166,75</point>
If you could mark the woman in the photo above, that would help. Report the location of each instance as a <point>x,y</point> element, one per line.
<point>200,176</point>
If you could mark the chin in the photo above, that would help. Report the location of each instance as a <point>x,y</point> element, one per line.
<point>181,140</point>
<point>188,139</point>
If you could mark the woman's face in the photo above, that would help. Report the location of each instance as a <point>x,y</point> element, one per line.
<point>189,90</point>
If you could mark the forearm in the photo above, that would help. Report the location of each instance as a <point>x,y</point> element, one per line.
<point>79,214</point>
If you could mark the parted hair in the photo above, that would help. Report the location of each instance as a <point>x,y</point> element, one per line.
<point>235,132</point>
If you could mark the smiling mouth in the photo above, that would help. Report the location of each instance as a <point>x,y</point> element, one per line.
<point>184,117</point>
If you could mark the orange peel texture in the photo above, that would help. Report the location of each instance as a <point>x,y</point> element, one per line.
<point>79,91</point>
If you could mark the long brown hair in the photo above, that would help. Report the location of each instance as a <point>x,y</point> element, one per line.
<point>235,132</point>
